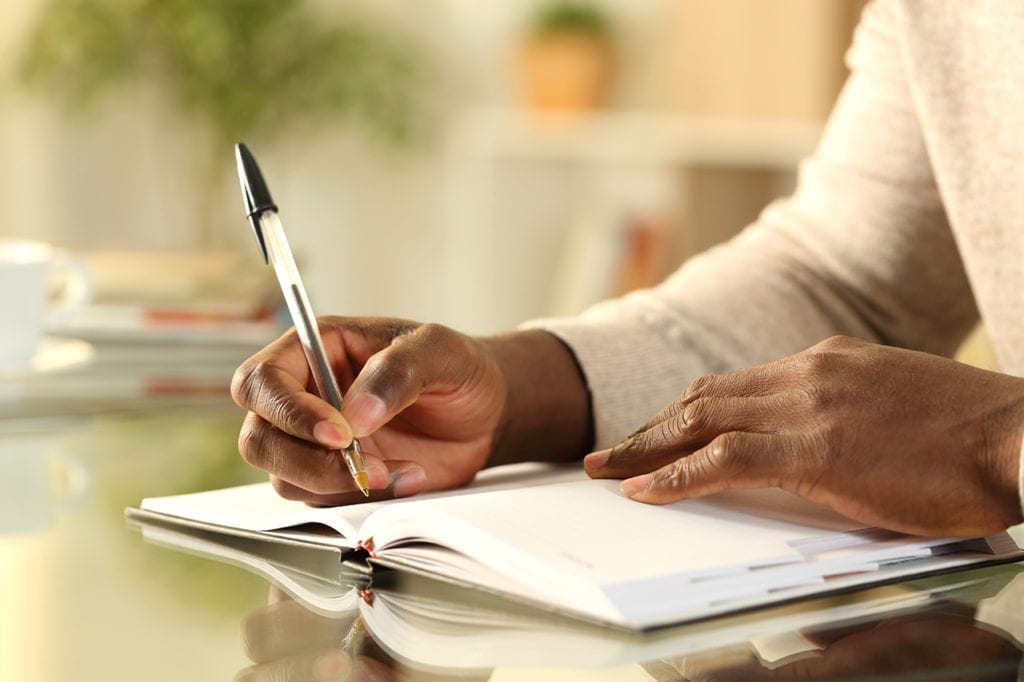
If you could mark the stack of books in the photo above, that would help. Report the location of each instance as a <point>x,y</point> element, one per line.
<point>160,326</point>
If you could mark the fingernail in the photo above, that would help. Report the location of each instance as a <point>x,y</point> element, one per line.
<point>409,482</point>
<point>596,460</point>
<point>364,412</point>
<point>331,666</point>
<point>333,434</point>
<point>632,487</point>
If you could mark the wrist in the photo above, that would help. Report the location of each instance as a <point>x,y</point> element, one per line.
<point>1006,467</point>
<point>546,414</point>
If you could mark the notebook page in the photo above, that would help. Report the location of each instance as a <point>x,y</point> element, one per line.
<point>258,507</point>
<point>576,537</point>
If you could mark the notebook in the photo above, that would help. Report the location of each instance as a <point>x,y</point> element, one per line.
<point>449,630</point>
<point>551,537</point>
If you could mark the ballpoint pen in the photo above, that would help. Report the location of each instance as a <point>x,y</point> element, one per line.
<point>266,225</point>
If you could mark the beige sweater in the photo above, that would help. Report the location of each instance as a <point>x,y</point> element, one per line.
<point>907,223</point>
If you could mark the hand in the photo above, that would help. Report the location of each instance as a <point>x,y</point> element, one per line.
<point>430,407</point>
<point>890,437</point>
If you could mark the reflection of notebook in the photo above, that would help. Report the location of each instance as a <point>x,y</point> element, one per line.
<point>311,574</point>
<point>551,537</point>
<point>431,625</point>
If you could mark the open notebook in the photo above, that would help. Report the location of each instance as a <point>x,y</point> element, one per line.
<point>551,537</point>
<point>449,630</point>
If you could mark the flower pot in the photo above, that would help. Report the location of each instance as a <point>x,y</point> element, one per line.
<point>567,71</point>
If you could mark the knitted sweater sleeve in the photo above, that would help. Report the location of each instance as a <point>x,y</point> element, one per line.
<point>862,248</point>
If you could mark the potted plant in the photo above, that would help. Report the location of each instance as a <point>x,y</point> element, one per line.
<point>236,69</point>
<point>566,59</point>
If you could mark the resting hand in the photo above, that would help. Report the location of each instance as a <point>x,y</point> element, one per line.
<point>890,437</point>
<point>429,406</point>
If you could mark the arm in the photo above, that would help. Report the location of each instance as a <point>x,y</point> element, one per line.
<point>862,249</point>
<point>895,438</point>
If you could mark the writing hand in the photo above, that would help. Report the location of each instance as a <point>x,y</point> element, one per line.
<point>890,437</point>
<point>430,407</point>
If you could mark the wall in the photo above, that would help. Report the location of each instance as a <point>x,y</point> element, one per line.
<point>370,226</point>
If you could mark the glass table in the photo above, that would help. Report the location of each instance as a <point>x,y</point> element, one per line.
<point>88,596</point>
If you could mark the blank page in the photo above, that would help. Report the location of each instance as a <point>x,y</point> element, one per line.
<point>568,541</point>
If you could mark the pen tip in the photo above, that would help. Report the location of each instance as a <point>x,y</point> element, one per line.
<point>363,481</point>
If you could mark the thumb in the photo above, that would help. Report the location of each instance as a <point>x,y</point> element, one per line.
<point>733,460</point>
<point>395,377</point>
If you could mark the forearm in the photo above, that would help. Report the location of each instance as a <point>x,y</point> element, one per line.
<point>547,413</point>
<point>862,249</point>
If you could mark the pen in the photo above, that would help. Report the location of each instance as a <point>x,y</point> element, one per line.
<point>266,225</point>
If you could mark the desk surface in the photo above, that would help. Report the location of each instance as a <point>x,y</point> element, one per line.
<point>86,597</point>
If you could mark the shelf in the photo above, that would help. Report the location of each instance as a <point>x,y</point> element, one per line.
<point>624,159</point>
<point>631,138</point>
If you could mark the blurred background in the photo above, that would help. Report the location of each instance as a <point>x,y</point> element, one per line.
<point>471,163</point>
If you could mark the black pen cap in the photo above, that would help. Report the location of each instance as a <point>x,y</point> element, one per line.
<point>255,195</point>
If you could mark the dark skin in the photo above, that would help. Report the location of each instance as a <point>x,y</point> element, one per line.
<point>446,403</point>
<point>889,437</point>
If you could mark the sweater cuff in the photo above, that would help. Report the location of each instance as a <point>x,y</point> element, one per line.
<point>633,367</point>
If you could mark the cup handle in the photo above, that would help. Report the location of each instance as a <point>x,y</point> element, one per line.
<point>77,291</point>
<point>70,479</point>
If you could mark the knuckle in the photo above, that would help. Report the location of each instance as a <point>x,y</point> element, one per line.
<point>253,389</point>
<point>245,382</point>
<point>700,385</point>
<point>251,443</point>
<point>725,453</point>
<point>631,447</point>
<point>698,415</point>
<point>827,357</point>
<point>814,362</point>
<point>814,398</point>
<point>392,328</point>
<point>674,431</point>
<point>836,342</point>
<point>433,332</point>
<point>646,443</point>
<point>391,371</point>
<point>676,476</point>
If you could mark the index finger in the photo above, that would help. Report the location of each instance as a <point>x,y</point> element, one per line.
<point>272,384</point>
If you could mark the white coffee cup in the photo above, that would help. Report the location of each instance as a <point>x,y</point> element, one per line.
<point>39,285</point>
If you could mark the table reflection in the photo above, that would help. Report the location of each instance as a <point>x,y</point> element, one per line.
<point>935,644</point>
<point>324,623</point>
<point>286,641</point>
